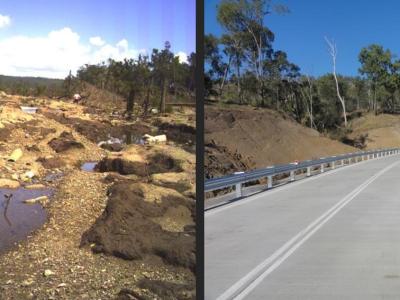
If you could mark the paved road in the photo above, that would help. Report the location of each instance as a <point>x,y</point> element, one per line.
<point>332,236</point>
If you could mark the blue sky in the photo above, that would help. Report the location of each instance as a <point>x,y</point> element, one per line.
<point>140,25</point>
<point>353,24</point>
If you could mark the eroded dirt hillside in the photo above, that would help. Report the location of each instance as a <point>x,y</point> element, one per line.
<point>242,138</point>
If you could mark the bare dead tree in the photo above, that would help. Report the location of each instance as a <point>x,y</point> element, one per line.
<point>333,53</point>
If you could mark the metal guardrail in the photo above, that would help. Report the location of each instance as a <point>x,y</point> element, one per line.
<point>239,178</point>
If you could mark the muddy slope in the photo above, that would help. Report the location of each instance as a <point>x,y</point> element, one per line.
<point>242,138</point>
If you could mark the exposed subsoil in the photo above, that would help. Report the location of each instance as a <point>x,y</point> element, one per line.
<point>239,138</point>
<point>125,230</point>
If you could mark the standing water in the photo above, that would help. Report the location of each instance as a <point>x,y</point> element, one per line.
<point>89,166</point>
<point>18,219</point>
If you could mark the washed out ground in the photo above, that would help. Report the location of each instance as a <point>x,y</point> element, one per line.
<point>125,230</point>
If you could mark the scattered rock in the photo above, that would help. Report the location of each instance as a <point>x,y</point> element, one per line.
<point>48,273</point>
<point>9,184</point>
<point>42,200</point>
<point>15,155</point>
<point>27,282</point>
<point>30,174</point>
<point>37,186</point>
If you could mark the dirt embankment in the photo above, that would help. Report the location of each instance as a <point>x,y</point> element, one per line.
<point>381,131</point>
<point>242,138</point>
<point>125,230</point>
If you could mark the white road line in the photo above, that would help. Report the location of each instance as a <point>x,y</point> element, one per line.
<point>214,211</point>
<point>246,284</point>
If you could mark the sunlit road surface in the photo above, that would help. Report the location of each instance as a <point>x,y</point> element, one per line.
<point>332,236</point>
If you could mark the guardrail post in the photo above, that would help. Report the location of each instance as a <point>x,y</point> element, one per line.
<point>342,162</point>
<point>333,165</point>
<point>270,181</point>
<point>322,168</point>
<point>308,171</point>
<point>291,175</point>
<point>238,189</point>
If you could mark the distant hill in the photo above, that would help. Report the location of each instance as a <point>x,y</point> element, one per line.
<point>31,86</point>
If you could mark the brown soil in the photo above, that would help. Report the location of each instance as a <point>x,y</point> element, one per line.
<point>64,142</point>
<point>81,204</point>
<point>243,138</point>
<point>381,131</point>
<point>127,228</point>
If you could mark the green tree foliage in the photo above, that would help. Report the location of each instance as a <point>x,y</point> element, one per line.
<point>377,67</point>
<point>243,67</point>
<point>148,80</point>
<point>32,86</point>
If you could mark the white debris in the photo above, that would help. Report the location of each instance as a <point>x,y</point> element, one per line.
<point>149,139</point>
<point>77,97</point>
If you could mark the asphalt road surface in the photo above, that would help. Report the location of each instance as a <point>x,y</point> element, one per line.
<point>331,236</point>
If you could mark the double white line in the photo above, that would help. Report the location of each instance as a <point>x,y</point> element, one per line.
<point>245,285</point>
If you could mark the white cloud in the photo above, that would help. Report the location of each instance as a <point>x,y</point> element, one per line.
<point>123,44</point>
<point>97,41</point>
<point>57,53</point>
<point>183,58</point>
<point>4,21</point>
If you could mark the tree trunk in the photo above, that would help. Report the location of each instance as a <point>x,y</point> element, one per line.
<point>146,102</point>
<point>130,103</point>
<point>221,87</point>
<point>333,52</point>
<point>163,95</point>
<point>239,90</point>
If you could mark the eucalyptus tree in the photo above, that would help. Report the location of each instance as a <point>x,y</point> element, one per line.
<point>375,66</point>
<point>162,63</point>
<point>243,21</point>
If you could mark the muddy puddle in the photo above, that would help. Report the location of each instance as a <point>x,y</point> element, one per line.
<point>89,166</point>
<point>18,219</point>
